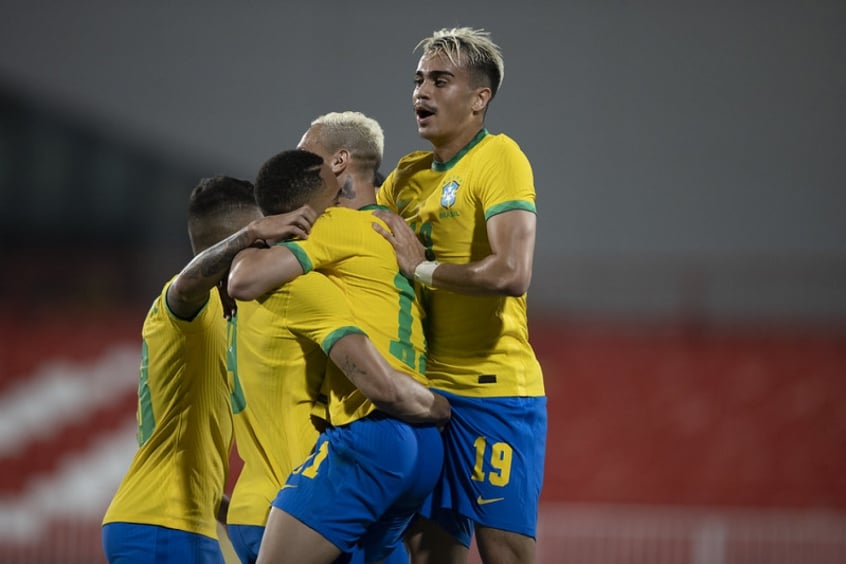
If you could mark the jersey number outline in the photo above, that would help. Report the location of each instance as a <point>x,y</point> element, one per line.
<point>311,466</point>
<point>500,462</point>
<point>146,417</point>
<point>236,396</point>
<point>424,234</point>
<point>402,348</point>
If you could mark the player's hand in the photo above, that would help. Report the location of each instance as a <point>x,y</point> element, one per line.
<point>441,410</point>
<point>410,251</point>
<point>281,227</point>
<point>229,305</point>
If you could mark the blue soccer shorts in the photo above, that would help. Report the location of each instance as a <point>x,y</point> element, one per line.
<point>364,482</point>
<point>131,543</point>
<point>246,541</point>
<point>494,450</point>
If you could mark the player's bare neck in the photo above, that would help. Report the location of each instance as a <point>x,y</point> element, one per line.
<point>448,149</point>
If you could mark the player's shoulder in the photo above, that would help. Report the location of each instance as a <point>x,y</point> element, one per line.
<point>414,160</point>
<point>498,142</point>
<point>337,214</point>
<point>407,167</point>
<point>339,223</point>
<point>332,214</point>
<point>159,308</point>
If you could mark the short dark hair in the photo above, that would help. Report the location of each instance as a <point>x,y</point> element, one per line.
<point>218,206</point>
<point>288,180</point>
<point>218,195</point>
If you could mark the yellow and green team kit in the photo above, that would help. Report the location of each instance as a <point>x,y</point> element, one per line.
<point>477,345</point>
<point>178,474</point>
<point>277,360</point>
<point>344,246</point>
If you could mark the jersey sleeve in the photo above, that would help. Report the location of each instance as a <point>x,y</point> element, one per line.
<point>200,320</point>
<point>507,182</point>
<point>385,193</point>
<point>327,244</point>
<point>319,311</point>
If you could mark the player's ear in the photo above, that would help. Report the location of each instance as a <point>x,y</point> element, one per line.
<point>481,99</point>
<point>340,161</point>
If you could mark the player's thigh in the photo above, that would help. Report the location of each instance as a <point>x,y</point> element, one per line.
<point>493,472</point>
<point>429,543</point>
<point>504,547</point>
<point>287,539</point>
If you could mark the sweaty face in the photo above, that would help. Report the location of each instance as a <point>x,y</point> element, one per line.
<point>443,100</point>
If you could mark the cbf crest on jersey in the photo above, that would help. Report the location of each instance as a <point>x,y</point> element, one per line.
<point>448,194</point>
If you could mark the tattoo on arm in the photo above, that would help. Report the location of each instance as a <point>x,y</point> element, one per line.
<point>215,260</point>
<point>349,367</point>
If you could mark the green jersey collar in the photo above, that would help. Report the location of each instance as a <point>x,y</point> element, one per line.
<point>443,167</point>
<point>371,207</point>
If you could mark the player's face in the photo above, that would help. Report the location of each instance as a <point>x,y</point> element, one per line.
<point>443,100</point>
<point>330,192</point>
<point>311,142</point>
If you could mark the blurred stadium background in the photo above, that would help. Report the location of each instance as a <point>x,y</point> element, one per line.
<point>689,298</point>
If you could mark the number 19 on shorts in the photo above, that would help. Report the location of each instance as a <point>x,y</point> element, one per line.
<point>499,460</point>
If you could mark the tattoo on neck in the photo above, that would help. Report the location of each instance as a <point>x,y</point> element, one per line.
<point>347,190</point>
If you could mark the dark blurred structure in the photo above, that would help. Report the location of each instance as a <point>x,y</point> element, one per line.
<point>87,218</point>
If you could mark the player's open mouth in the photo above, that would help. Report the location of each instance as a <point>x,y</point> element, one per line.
<point>423,116</point>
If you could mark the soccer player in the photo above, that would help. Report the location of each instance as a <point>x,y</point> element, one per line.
<point>374,465</point>
<point>276,364</point>
<point>166,507</point>
<point>282,341</point>
<point>352,145</point>
<point>466,234</point>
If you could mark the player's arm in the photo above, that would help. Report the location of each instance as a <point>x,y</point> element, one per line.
<point>256,271</point>
<point>393,392</point>
<point>506,271</point>
<point>189,291</point>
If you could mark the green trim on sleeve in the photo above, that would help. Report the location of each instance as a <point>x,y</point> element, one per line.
<point>510,206</point>
<point>300,254</point>
<point>172,313</point>
<point>338,334</point>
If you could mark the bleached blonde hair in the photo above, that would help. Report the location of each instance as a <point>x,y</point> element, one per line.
<point>362,136</point>
<point>472,48</point>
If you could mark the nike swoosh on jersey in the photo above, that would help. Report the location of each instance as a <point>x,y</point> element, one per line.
<point>288,486</point>
<point>482,501</point>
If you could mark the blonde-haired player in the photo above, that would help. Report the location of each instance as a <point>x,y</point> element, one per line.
<point>375,463</point>
<point>465,231</point>
<point>277,363</point>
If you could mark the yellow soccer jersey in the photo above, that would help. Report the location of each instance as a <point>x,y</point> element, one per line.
<point>276,367</point>
<point>344,246</point>
<point>178,474</point>
<point>478,345</point>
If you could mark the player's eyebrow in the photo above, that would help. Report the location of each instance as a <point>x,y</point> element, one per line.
<point>434,74</point>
